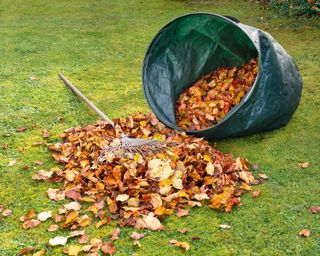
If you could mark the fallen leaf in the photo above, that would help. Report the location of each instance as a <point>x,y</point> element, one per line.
<point>136,236</point>
<point>195,238</point>
<point>115,234</point>
<point>72,206</point>
<point>45,133</point>
<point>31,223</point>
<point>152,222</point>
<point>225,226</point>
<point>183,230</point>
<point>103,222</point>
<point>255,166</point>
<point>74,250</point>
<point>42,175</point>
<point>122,197</point>
<point>263,176</point>
<point>183,245</point>
<point>315,209</point>
<point>58,240</point>
<point>304,165</point>
<point>256,193</point>
<point>12,163</point>
<point>38,162</point>
<point>83,239</point>
<point>39,253</point>
<point>26,250</point>
<point>182,212</point>
<point>76,233</point>
<point>43,216</point>
<point>21,129</point>
<point>305,233</point>
<point>71,216</point>
<point>55,194</point>
<point>53,228</point>
<point>6,213</point>
<point>108,248</point>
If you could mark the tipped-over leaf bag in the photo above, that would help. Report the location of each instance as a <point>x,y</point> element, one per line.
<point>196,44</point>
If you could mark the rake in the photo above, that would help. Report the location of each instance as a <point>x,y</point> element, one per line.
<point>124,146</point>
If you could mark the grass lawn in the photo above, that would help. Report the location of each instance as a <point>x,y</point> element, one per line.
<point>100,46</point>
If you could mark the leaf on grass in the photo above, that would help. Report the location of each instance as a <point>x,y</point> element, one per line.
<point>263,176</point>
<point>58,240</point>
<point>103,222</point>
<point>305,233</point>
<point>21,129</point>
<point>224,226</point>
<point>115,234</point>
<point>38,162</point>
<point>31,224</point>
<point>39,253</point>
<point>26,250</point>
<point>42,175</point>
<point>304,165</point>
<point>12,163</point>
<point>71,216</point>
<point>256,193</point>
<point>183,245</point>
<point>73,250</point>
<point>182,212</point>
<point>183,230</point>
<point>43,216</point>
<point>6,213</point>
<point>83,239</point>
<point>108,248</point>
<point>315,209</point>
<point>53,228</point>
<point>72,206</point>
<point>152,222</point>
<point>136,236</point>
<point>76,233</point>
<point>55,194</point>
<point>45,133</point>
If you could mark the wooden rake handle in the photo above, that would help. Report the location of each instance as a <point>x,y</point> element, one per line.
<point>88,102</point>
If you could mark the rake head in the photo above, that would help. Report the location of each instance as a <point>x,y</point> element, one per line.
<point>128,147</point>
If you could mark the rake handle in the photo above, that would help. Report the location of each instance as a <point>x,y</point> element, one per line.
<point>88,102</point>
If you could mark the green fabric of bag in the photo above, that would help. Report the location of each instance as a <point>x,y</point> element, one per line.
<point>196,44</point>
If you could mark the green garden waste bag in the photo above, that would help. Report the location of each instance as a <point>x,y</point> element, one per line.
<point>196,44</point>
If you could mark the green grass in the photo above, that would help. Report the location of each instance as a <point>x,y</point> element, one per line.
<point>100,46</point>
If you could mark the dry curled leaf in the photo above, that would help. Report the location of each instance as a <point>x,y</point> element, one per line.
<point>53,228</point>
<point>6,213</point>
<point>26,250</point>
<point>315,209</point>
<point>42,175</point>
<point>263,176</point>
<point>305,233</point>
<point>183,245</point>
<point>55,194</point>
<point>304,165</point>
<point>115,234</point>
<point>152,222</point>
<point>39,253</point>
<point>256,193</point>
<point>31,224</point>
<point>108,248</point>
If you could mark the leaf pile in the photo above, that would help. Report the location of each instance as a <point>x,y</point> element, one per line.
<point>139,191</point>
<point>209,99</point>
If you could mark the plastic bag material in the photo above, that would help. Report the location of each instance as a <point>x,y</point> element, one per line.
<point>196,44</point>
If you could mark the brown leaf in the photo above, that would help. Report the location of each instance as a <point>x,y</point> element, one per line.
<point>83,239</point>
<point>26,250</point>
<point>31,223</point>
<point>136,236</point>
<point>55,194</point>
<point>45,133</point>
<point>315,209</point>
<point>305,233</point>
<point>183,245</point>
<point>103,222</point>
<point>256,193</point>
<point>108,248</point>
<point>6,213</point>
<point>183,230</point>
<point>42,175</point>
<point>71,216</point>
<point>182,212</point>
<point>152,222</point>
<point>38,162</point>
<point>304,165</point>
<point>53,228</point>
<point>21,129</point>
<point>115,234</point>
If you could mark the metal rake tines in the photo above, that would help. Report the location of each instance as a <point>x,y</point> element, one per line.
<point>132,146</point>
